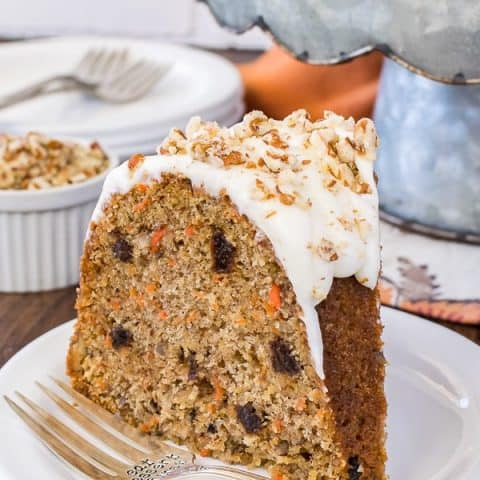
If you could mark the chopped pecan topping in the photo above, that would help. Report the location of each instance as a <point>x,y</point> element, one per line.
<point>135,160</point>
<point>232,158</point>
<point>35,162</point>
<point>331,146</point>
<point>325,249</point>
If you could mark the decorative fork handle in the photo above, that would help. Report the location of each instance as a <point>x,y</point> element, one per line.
<point>57,83</point>
<point>173,466</point>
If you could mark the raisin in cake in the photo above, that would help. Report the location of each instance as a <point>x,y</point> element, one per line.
<point>228,297</point>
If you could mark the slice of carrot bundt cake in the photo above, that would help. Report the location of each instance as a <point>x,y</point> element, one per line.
<point>228,297</point>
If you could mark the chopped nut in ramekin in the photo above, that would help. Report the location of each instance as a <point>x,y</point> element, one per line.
<point>37,162</point>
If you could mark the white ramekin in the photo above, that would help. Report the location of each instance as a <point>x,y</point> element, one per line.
<point>42,233</point>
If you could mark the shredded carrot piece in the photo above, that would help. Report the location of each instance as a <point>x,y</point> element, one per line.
<point>150,287</point>
<point>274,299</point>
<point>241,320</point>
<point>190,231</point>
<point>140,206</point>
<point>115,304</point>
<point>270,310</point>
<point>212,408</point>
<point>320,414</point>
<point>100,383</point>
<point>219,391</point>
<point>278,475</point>
<point>156,238</point>
<point>135,160</point>
<point>192,316</point>
<point>205,452</point>
<point>277,425</point>
<point>172,262</point>
<point>108,341</point>
<point>141,187</point>
<point>162,315</point>
<point>149,424</point>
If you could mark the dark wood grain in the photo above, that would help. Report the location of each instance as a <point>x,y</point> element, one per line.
<point>25,317</point>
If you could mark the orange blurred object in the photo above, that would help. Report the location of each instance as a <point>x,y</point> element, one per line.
<point>278,84</point>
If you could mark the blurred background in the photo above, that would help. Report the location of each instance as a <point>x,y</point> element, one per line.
<point>348,89</point>
<point>186,21</point>
<point>183,63</point>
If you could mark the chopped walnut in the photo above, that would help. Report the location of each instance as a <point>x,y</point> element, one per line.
<point>264,190</point>
<point>346,224</point>
<point>273,139</point>
<point>325,249</point>
<point>365,135</point>
<point>135,160</point>
<point>35,162</point>
<point>232,158</point>
<point>295,144</point>
<point>285,198</point>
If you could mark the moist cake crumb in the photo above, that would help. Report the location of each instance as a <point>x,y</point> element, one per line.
<point>251,374</point>
<point>190,325</point>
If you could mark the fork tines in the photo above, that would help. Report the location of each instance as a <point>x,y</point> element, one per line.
<point>90,459</point>
<point>135,455</point>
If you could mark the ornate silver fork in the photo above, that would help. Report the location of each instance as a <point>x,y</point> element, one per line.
<point>145,457</point>
<point>107,74</point>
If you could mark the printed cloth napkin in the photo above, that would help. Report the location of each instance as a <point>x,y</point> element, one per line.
<point>430,277</point>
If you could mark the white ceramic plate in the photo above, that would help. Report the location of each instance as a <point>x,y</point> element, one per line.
<point>433,391</point>
<point>199,83</point>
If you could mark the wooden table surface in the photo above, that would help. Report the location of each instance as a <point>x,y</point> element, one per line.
<point>25,317</point>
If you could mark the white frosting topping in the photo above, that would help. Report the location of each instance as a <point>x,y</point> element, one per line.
<point>308,186</point>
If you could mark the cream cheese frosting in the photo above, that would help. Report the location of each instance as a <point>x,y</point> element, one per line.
<point>308,186</point>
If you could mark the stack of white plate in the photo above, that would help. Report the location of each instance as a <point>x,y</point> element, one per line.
<point>198,83</point>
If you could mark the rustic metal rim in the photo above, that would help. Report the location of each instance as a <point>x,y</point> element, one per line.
<point>414,226</point>
<point>259,21</point>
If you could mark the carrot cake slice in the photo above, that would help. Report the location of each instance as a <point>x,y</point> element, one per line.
<point>228,298</point>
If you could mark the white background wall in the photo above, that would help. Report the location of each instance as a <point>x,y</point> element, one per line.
<point>173,20</point>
